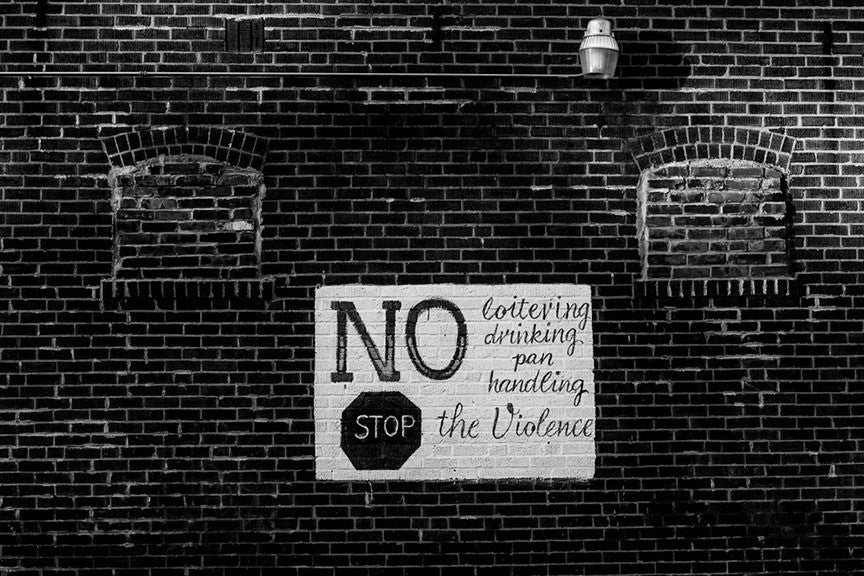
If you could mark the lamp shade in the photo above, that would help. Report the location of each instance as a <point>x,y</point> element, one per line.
<point>598,52</point>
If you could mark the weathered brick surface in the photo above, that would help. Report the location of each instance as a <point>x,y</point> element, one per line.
<point>187,218</point>
<point>717,220</point>
<point>166,427</point>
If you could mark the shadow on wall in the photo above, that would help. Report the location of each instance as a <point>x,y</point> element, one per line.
<point>656,58</point>
<point>650,62</point>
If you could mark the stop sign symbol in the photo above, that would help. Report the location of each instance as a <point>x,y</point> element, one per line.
<point>380,430</point>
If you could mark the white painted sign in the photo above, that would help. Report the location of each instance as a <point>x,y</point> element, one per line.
<point>441,382</point>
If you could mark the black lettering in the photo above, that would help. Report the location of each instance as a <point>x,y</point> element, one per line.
<point>386,368</point>
<point>411,338</point>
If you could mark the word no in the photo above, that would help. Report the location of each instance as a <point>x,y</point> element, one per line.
<point>386,368</point>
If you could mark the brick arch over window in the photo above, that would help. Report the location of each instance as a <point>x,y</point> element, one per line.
<point>715,214</point>
<point>689,143</point>
<point>233,147</point>
<point>187,218</point>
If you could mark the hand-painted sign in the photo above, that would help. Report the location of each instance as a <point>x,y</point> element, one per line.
<point>445,382</point>
<point>380,430</point>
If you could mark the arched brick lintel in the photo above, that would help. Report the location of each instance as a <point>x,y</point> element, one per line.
<point>689,143</point>
<point>234,147</point>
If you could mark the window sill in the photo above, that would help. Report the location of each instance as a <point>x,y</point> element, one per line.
<point>690,289</point>
<point>188,294</point>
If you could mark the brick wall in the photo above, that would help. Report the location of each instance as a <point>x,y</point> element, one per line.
<point>187,218</point>
<point>166,427</point>
<point>720,220</point>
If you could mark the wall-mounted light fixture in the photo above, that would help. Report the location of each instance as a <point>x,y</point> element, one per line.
<point>598,52</point>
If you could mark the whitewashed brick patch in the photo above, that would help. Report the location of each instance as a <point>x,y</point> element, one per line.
<point>454,382</point>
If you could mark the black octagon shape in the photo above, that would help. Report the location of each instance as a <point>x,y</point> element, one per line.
<point>380,430</point>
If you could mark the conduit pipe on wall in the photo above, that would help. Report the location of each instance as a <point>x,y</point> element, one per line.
<point>281,74</point>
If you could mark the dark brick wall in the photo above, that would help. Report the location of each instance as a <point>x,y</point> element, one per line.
<point>187,217</point>
<point>720,220</point>
<point>166,427</point>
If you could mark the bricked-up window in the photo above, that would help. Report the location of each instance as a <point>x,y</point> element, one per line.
<point>187,217</point>
<point>719,219</point>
